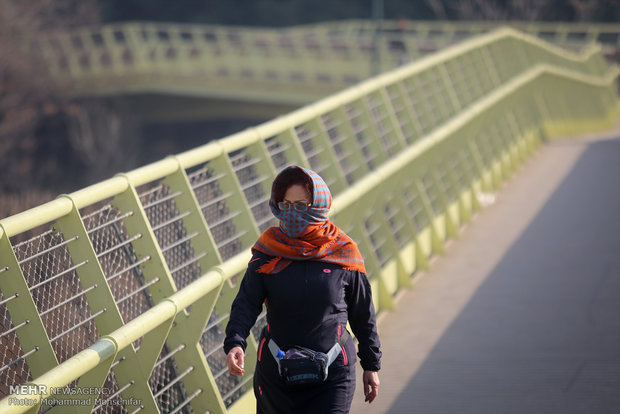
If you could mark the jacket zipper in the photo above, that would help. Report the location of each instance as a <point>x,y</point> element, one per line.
<point>260,348</point>
<point>344,353</point>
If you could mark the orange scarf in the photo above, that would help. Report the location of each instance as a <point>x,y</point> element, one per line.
<point>323,242</point>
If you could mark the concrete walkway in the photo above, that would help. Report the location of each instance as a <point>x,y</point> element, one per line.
<point>522,314</point>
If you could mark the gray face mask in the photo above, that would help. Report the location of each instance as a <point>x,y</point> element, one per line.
<point>293,222</point>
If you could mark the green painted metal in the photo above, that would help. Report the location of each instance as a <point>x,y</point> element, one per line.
<point>447,32</point>
<point>156,255</point>
<point>90,274</point>
<point>91,380</point>
<point>30,340</point>
<point>246,64</point>
<point>99,298</point>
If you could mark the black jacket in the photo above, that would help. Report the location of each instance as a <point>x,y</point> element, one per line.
<point>308,304</point>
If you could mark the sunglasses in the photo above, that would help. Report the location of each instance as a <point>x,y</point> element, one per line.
<point>298,206</point>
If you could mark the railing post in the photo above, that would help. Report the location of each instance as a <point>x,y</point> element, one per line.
<point>33,344</point>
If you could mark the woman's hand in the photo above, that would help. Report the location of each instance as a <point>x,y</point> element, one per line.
<point>234,360</point>
<point>371,385</point>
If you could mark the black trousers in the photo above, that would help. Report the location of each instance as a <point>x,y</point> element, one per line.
<point>334,396</point>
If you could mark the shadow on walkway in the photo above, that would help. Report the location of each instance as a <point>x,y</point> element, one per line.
<point>541,334</point>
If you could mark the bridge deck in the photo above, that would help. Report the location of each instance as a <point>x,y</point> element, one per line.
<point>523,313</point>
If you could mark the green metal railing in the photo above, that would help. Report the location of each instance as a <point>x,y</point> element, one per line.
<point>126,285</point>
<point>564,33</point>
<point>257,64</point>
<point>260,64</point>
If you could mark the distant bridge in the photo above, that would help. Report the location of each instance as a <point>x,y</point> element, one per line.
<point>206,71</point>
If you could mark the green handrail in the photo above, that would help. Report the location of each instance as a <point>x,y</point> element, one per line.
<point>607,34</point>
<point>121,290</point>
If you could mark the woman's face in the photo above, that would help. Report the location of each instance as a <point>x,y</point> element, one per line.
<point>297,193</point>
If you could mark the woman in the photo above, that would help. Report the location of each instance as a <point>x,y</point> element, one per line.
<point>311,277</point>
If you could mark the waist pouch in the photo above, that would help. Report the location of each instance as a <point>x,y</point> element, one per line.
<point>300,366</point>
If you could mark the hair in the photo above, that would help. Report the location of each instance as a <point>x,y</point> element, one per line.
<point>288,178</point>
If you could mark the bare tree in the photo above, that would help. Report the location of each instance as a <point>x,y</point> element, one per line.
<point>527,10</point>
<point>26,88</point>
<point>586,9</point>
<point>491,10</point>
<point>28,94</point>
<point>438,8</point>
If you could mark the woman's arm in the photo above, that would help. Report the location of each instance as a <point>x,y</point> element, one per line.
<point>246,307</point>
<point>363,322</point>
